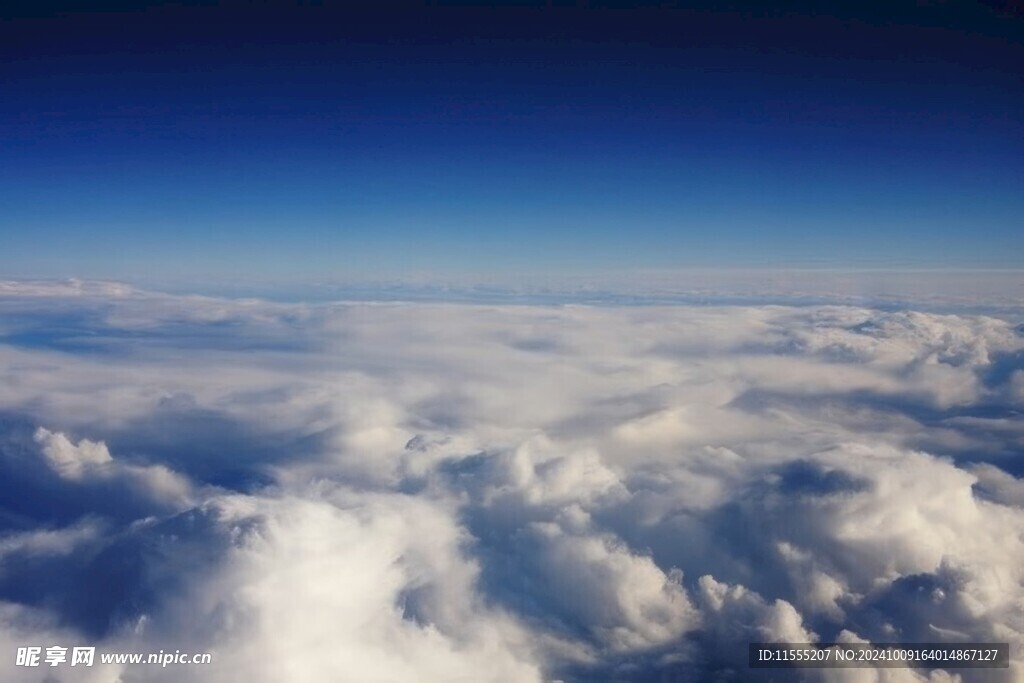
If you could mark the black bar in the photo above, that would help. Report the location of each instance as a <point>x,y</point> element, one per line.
<point>879,655</point>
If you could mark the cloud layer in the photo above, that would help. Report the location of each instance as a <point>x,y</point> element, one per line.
<point>440,492</point>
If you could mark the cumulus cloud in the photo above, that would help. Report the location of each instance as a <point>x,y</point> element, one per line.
<point>368,491</point>
<point>342,585</point>
<point>89,462</point>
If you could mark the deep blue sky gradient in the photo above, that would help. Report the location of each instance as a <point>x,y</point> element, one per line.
<point>335,141</point>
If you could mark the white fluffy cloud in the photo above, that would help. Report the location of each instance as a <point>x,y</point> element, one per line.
<point>90,461</point>
<point>509,493</point>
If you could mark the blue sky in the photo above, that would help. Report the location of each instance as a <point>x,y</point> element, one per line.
<point>330,142</point>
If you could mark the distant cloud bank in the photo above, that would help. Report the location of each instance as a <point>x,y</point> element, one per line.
<point>444,492</point>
